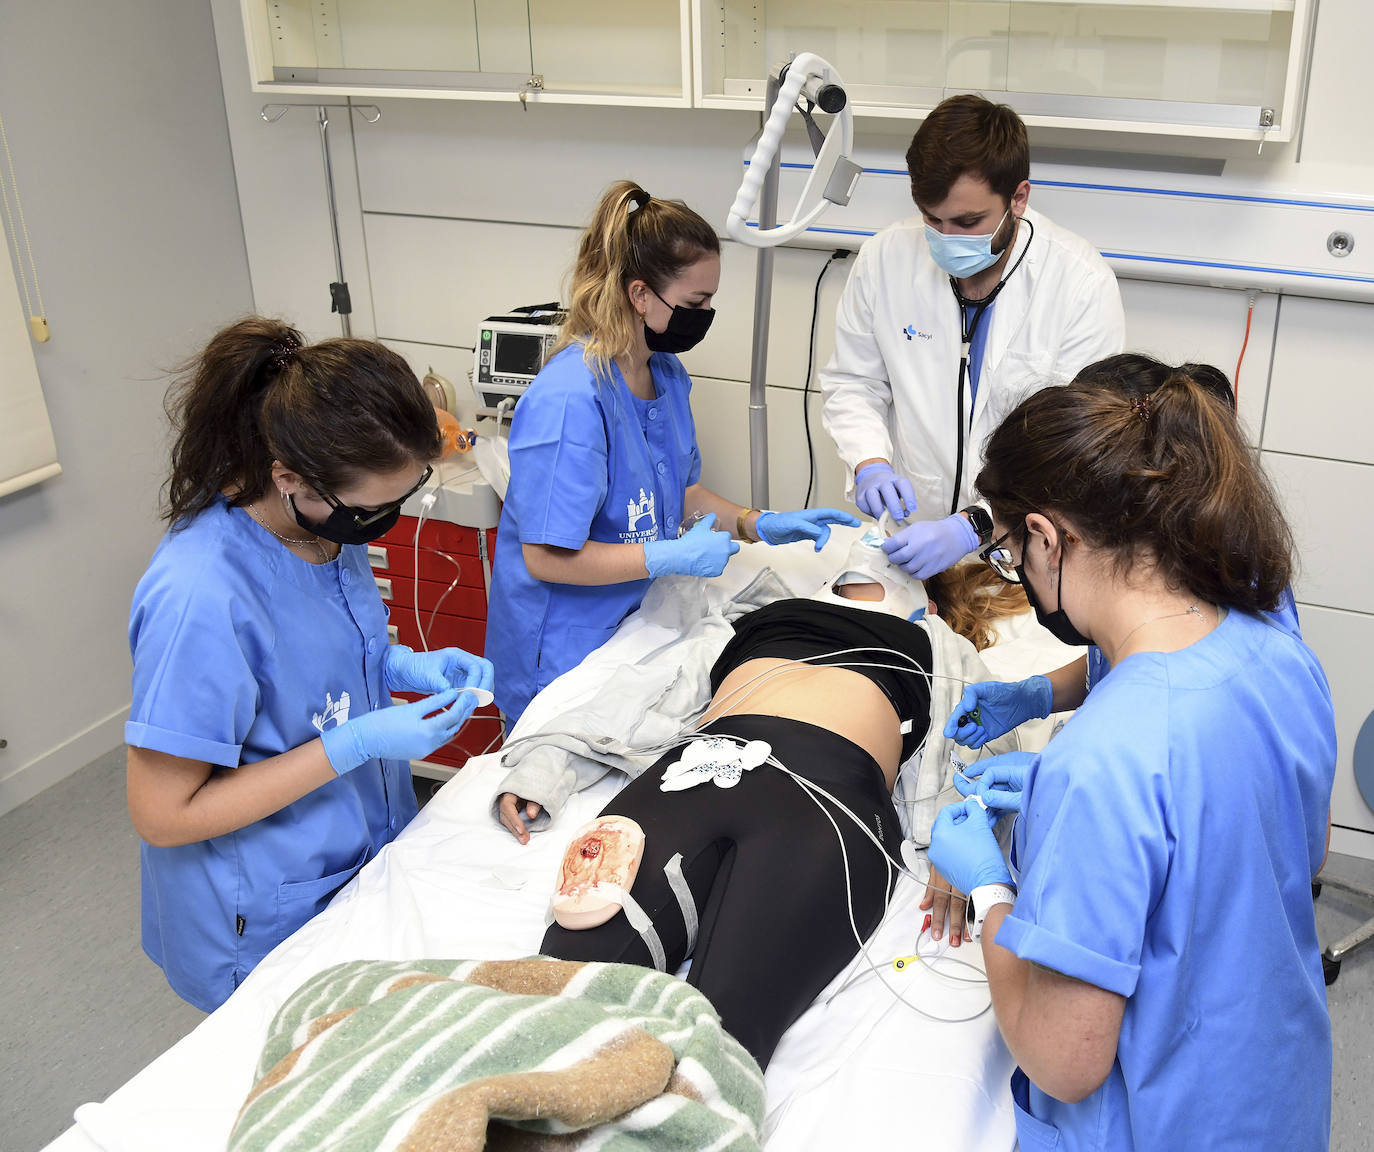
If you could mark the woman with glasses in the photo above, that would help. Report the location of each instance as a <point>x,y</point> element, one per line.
<point>1157,933</point>
<point>999,707</point>
<point>267,763</point>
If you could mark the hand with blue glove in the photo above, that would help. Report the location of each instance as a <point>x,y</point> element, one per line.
<point>999,780</point>
<point>878,488</point>
<point>930,546</point>
<point>963,849</point>
<point>398,732</point>
<point>808,524</point>
<point>700,552</point>
<point>992,708</point>
<point>408,671</point>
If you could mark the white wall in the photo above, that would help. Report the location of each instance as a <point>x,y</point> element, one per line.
<point>451,210</point>
<point>116,126</point>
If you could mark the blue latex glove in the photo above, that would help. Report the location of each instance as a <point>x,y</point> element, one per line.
<point>877,488</point>
<point>999,780</point>
<point>1000,707</point>
<point>700,552</point>
<point>963,849</point>
<point>931,546</point>
<point>400,732</point>
<point>409,671</point>
<point>808,524</point>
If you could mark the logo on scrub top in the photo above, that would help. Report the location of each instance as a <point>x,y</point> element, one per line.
<point>335,712</point>
<point>635,512</point>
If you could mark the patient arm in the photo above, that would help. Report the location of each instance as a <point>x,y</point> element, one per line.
<point>1061,1031</point>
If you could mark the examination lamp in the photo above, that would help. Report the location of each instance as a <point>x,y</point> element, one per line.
<point>831,181</point>
<point>833,175</point>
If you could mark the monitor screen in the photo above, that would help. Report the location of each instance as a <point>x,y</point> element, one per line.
<point>516,354</point>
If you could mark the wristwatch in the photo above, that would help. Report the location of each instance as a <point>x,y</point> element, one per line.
<point>980,520</point>
<point>981,901</point>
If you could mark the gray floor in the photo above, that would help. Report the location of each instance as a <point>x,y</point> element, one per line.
<point>83,1009</point>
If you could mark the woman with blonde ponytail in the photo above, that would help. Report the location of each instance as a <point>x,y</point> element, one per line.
<point>605,490</point>
<point>267,763</point>
<point>1154,932</point>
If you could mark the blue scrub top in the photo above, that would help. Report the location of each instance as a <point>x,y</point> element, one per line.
<point>588,461</point>
<point>1285,616</point>
<point>1167,847</point>
<point>242,651</point>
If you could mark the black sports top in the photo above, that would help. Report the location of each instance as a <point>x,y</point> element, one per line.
<point>798,629</point>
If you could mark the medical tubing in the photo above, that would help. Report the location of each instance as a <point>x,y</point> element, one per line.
<point>770,139</point>
<point>1245,343</point>
<point>811,789</point>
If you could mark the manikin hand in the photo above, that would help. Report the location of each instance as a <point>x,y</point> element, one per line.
<point>510,807</point>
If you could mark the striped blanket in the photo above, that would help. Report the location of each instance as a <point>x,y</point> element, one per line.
<point>528,1054</point>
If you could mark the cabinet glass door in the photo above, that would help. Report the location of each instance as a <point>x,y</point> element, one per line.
<point>610,49</point>
<point>1215,64</point>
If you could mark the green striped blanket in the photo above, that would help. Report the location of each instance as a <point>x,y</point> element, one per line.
<point>530,1054</point>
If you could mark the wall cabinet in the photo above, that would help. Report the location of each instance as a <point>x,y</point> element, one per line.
<point>1212,68</point>
<point>1209,68</point>
<point>552,51</point>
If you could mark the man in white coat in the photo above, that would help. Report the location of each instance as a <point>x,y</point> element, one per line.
<point>948,321</point>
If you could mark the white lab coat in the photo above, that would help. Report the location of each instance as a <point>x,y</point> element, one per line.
<point>892,384</point>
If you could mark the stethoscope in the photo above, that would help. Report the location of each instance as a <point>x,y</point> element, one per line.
<point>968,328</point>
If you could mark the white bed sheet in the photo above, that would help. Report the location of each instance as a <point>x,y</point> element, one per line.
<point>860,1068</point>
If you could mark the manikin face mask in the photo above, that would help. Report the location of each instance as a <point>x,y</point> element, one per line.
<point>867,563</point>
<point>686,329</point>
<point>961,255</point>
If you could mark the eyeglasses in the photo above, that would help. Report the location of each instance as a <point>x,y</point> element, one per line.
<point>1000,560</point>
<point>364,519</point>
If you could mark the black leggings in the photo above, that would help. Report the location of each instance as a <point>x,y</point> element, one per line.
<point>766,872</point>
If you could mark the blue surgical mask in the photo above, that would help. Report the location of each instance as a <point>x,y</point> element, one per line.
<point>960,255</point>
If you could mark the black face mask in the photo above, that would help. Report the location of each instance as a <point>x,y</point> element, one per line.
<point>686,329</point>
<point>1056,623</point>
<point>346,525</point>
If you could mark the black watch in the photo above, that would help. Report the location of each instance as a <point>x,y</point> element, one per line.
<point>981,521</point>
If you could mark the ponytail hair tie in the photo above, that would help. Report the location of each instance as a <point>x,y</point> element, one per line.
<point>280,352</point>
<point>639,199</point>
<point>1141,406</point>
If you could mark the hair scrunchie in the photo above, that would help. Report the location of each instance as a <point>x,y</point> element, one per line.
<point>281,351</point>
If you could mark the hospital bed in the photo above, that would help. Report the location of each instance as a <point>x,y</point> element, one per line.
<point>861,1068</point>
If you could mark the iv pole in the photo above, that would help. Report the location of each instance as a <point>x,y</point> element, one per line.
<point>339,300</point>
<point>831,181</point>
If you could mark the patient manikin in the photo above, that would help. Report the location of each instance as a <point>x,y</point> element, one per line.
<point>601,861</point>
